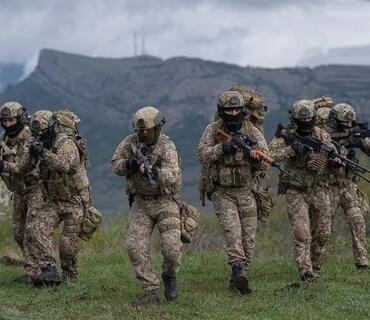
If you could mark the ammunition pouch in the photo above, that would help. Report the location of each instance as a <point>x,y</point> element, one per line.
<point>189,217</point>
<point>57,189</point>
<point>264,203</point>
<point>90,223</point>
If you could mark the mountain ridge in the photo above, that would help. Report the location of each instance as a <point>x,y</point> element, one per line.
<point>105,93</point>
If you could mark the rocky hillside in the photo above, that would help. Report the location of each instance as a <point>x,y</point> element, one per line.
<point>106,92</point>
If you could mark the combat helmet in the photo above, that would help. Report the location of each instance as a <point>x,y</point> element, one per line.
<point>43,126</point>
<point>230,99</point>
<point>322,116</point>
<point>342,114</point>
<point>148,122</point>
<point>303,116</point>
<point>303,109</point>
<point>323,102</point>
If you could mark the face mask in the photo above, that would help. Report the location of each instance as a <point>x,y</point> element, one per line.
<point>305,127</point>
<point>342,127</point>
<point>232,122</point>
<point>150,137</point>
<point>13,130</point>
<point>47,137</point>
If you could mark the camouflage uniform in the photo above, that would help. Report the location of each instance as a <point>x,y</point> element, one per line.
<point>153,203</point>
<point>11,150</point>
<point>60,175</point>
<point>230,184</point>
<point>308,203</point>
<point>344,189</point>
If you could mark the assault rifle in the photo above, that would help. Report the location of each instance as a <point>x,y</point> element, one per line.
<point>143,161</point>
<point>245,144</point>
<point>360,131</point>
<point>316,145</point>
<point>34,143</point>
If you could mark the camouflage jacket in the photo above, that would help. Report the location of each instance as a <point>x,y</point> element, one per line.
<point>11,151</point>
<point>229,170</point>
<point>300,165</point>
<point>163,156</point>
<point>59,170</point>
<point>345,149</point>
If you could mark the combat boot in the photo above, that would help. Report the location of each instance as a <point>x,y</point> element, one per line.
<point>238,280</point>
<point>362,267</point>
<point>307,276</point>
<point>170,290</point>
<point>48,277</point>
<point>150,297</point>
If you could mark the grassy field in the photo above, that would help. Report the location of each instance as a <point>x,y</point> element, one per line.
<point>106,286</point>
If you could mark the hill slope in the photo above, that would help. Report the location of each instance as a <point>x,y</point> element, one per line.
<point>106,92</point>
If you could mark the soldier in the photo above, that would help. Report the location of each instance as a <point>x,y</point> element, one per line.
<point>323,107</point>
<point>230,182</point>
<point>14,121</point>
<point>343,183</point>
<point>59,176</point>
<point>307,201</point>
<point>149,161</point>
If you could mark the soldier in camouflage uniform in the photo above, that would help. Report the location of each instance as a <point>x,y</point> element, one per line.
<point>59,174</point>
<point>13,119</point>
<point>323,107</point>
<point>308,202</point>
<point>344,188</point>
<point>149,161</point>
<point>230,182</point>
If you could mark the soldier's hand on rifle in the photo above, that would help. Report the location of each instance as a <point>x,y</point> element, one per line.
<point>36,149</point>
<point>299,148</point>
<point>142,168</point>
<point>228,147</point>
<point>132,165</point>
<point>254,154</point>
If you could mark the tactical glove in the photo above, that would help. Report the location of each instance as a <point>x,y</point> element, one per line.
<point>132,165</point>
<point>228,147</point>
<point>36,149</point>
<point>1,165</point>
<point>299,148</point>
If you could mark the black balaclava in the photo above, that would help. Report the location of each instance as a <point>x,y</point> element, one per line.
<point>305,128</point>
<point>13,130</point>
<point>47,137</point>
<point>151,136</point>
<point>232,123</point>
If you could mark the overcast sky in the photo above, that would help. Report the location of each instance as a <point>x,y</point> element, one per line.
<point>269,33</point>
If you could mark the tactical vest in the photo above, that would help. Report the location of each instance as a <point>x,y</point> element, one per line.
<point>231,171</point>
<point>140,184</point>
<point>339,175</point>
<point>297,166</point>
<point>11,150</point>
<point>62,186</point>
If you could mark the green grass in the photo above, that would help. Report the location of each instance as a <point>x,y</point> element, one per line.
<point>106,286</point>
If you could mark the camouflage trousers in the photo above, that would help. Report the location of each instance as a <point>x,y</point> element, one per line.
<point>236,210</point>
<point>348,197</point>
<point>43,219</point>
<point>145,214</point>
<point>310,216</point>
<point>19,217</point>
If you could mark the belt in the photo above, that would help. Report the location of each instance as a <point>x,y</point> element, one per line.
<point>149,196</point>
